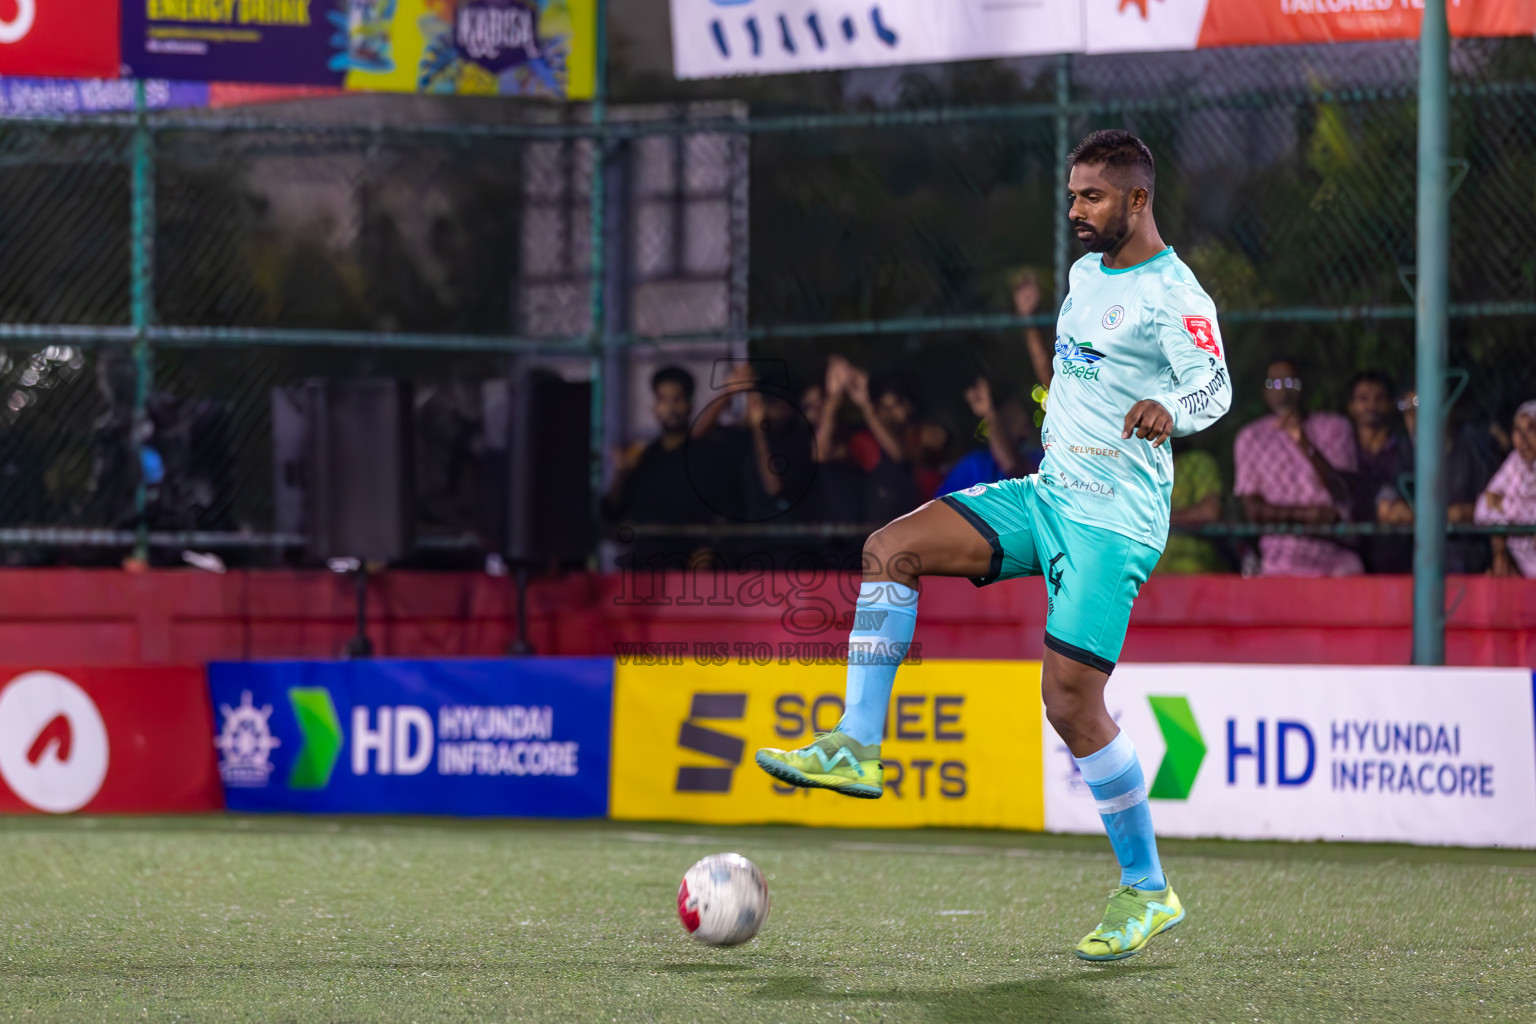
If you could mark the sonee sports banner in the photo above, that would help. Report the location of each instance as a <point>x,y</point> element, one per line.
<point>1432,755</point>
<point>960,749</point>
<point>513,737</point>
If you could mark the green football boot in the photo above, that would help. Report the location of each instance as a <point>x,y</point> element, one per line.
<point>1131,919</point>
<point>834,761</point>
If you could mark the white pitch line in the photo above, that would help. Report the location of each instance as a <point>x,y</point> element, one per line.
<point>663,837</point>
<point>848,846</point>
<point>945,850</point>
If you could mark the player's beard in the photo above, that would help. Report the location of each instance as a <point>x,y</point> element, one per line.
<point>1113,234</point>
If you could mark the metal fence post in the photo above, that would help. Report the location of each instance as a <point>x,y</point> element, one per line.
<point>1062,236</point>
<point>142,290</point>
<point>598,335</point>
<point>1432,301</point>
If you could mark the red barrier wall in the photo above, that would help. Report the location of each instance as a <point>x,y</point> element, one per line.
<point>104,617</point>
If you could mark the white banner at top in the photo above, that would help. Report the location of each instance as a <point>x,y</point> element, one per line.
<point>763,37</point>
<point>712,38</point>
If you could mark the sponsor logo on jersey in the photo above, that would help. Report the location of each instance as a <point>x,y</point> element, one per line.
<point>1078,361</point>
<point>1096,488</point>
<point>1113,317</point>
<point>1204,335</point>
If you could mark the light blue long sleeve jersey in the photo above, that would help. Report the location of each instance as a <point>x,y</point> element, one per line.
<point>1147,331</point>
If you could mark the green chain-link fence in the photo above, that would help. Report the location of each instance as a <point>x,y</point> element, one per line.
<point>884,217</point>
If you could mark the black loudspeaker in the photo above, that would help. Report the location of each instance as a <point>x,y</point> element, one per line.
<point>536,488</point>
<point>344,454</point>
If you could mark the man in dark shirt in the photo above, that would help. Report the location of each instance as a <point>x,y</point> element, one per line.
<point>1383,454</point>
<point>1472,455</point>
<point>652,484</point>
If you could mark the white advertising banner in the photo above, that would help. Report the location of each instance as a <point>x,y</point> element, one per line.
<point>762,37</point>
<point>758,37</point>
<point>1418,755</point>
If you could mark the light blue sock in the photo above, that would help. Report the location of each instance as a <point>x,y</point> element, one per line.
<point>882,631</point>
<point>1114,777</point>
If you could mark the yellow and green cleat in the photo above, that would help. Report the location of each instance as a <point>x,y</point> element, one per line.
<point>834,760</point>
<point>1131,919</point>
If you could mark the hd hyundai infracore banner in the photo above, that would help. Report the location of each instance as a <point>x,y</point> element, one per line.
<point>1417,755</point>
<point>508,737</point>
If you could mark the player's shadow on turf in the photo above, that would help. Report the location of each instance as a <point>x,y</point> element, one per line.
<point>1031,1000</point>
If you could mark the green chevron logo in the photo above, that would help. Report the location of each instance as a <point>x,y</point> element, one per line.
<point>322,737</point>
<point>1176,775</point>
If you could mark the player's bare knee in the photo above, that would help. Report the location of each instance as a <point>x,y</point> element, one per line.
<point>888,554</point>
<point>1072,705</point>
<point>1064,711</point>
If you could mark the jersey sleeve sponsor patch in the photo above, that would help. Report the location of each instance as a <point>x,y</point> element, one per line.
<point>1204,335</point>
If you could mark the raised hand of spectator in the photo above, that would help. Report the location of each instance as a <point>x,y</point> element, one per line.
<point>756,411</point>
<point>858,388</point>
<point>741,378</point>
<point>742,375</point>
<point>838,371</point>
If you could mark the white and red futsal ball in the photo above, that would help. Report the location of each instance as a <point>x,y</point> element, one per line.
<point>723,900</point>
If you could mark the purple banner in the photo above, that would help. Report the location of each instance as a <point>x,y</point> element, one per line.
<point>283,42</point>
<point>40,97</point>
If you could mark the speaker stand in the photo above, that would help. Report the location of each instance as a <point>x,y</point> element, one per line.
<point>360,646</point>
<point>520,647</point>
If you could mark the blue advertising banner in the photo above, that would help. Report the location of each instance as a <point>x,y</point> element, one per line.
<point>519,738</point>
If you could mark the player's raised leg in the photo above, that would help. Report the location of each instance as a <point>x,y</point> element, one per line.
<point>934,540</point>
<point>1144,904</point>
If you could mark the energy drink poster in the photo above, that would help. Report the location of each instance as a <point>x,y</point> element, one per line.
<point>535,48</point>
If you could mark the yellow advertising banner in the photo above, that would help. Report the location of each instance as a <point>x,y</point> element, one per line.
<point>962,745</point>
<point>543,48</point>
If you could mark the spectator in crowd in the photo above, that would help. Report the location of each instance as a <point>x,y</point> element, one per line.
<point>1026,301</point>
<point>1197,493</point>
<point>1383,456</point>
<point>1008,450</point>
<point>1471,456</point>
<point>878,448</point>
<point>930,442</point>
<point>836,494</point>
<point>758,470</point>
<point>1291,468</point>
<point>651,481</point>
<point>1511,499</point>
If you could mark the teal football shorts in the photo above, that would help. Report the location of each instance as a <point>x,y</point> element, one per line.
<point>1092,575</point>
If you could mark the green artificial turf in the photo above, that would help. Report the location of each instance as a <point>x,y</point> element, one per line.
<point>289,919</point>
